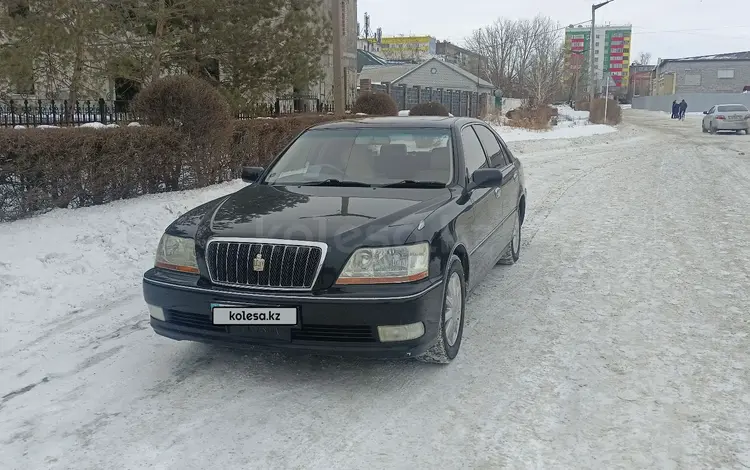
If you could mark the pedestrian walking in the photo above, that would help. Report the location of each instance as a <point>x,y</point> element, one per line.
<point>683,109</point>
<point>675,109</point>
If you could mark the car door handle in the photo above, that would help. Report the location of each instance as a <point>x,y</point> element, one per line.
<point>497,192</point>
<point>515,176</point>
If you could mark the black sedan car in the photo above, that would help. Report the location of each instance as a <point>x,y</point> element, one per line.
<point>362,237</point>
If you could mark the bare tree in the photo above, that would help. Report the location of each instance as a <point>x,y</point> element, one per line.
<point>525,57</point>
<point>496,42</point>
<point>643,59</point>
<point>546,68</point>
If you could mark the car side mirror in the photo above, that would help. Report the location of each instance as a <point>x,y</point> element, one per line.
<point>486,178</point>
<point>250,174</point>
<point>705,112</point>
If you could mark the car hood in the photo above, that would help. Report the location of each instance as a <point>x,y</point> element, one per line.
<point>338,216</point>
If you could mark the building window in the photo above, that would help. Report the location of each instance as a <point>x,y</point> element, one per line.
<point>597,43</point>
<point>692,79</point>
<point>726,73</point>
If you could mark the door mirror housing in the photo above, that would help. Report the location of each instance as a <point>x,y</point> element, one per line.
<point>486,178</point>
<point>251,174</point>
<point>705,112</point>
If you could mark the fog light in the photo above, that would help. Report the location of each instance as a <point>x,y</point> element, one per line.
<point>389,334</point>
<point>156,312</point>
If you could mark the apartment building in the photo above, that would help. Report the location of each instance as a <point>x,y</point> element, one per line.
<point>611,44</point>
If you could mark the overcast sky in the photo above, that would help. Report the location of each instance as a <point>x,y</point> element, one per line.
<point>665,28</point>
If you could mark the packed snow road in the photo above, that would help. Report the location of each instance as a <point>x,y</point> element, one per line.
<point>620,339</point>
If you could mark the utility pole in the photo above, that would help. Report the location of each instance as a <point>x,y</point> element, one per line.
<point>592,77</point>
<point>339,96</point>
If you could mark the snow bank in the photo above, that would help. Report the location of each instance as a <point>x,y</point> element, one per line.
<point>567,113</point>
<point>407,112</point>
<point>58,263</point>
<point>513,134</point>
<point>88,125</point>
<point>571,124</point>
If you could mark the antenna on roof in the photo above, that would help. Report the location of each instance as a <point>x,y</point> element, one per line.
<point>367,30</point>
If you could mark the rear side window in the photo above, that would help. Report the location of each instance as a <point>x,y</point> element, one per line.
<point>473,152</point>
<point>491,147</point>
<point>733,109</point>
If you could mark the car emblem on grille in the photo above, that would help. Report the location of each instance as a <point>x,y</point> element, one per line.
<point>259,263</point>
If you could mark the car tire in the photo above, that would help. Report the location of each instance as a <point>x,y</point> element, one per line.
<point>449,336</point>
<point>703,128</point>
<point>712,129</point>
<point>513,252</point>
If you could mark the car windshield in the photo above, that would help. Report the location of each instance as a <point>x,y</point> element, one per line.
<point>733,108</point>
<point>367,156</point>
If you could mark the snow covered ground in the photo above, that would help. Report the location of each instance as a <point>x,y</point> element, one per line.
<point>620,339</point>
<point>571,124</point>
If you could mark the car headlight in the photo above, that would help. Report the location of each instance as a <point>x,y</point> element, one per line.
<point>177,254</point>
<point>393,264</point>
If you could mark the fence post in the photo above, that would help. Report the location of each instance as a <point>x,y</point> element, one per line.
<point>419,94</point>
<point>39,107</point>
<point>102,111</point>
<point>468,104</point>
<point>405,97</point>
<point>26,110</point>
<point>12,114</point>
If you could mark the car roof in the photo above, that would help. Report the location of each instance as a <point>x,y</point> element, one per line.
<point>433,122</point>
<point>732,104</point>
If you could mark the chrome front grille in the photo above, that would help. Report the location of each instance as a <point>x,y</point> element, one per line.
<point>264,264</point>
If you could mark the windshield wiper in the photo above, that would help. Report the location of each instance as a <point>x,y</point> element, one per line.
<point>415,184</point>
<point>335,182</point>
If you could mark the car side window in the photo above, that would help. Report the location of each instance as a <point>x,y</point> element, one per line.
<point>473,152</point>
<point>492,148</point>
<point>711,111</point>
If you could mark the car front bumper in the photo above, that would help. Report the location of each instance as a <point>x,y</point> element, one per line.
<point>337,324</point>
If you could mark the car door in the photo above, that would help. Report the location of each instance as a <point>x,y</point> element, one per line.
<point>494,152</point>
<point>481,224</point>
<point>500,157</point>
<point>707,118</point>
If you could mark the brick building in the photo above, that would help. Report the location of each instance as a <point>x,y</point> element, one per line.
<point>718,73</point>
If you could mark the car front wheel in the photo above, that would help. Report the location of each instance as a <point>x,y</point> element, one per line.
<point>451,328</point>
<point>513,252</point>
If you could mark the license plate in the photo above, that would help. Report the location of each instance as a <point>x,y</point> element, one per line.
<point>735,118</point>
<point>254,316</point>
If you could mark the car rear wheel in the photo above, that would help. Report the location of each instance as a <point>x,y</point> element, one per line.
<point>451,328</point>
<point>703,127</point>
<point>513,252</point>
<point>713,129</point>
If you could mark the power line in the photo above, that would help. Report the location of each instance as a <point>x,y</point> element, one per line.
<point>688,30</point>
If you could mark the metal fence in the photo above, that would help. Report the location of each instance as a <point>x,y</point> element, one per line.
<point>36,113</point>
<point>459,102</point>
<point>696,101</point>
